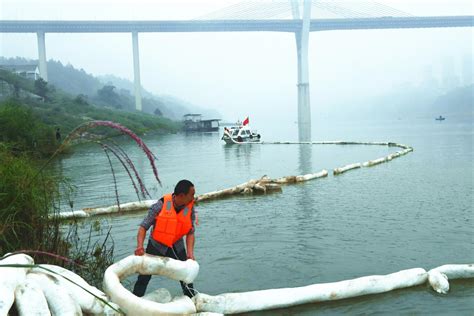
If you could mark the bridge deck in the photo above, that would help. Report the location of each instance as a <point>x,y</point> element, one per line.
<point>233,25</point>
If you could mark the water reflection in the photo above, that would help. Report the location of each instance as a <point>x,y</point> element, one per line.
<point>305,155</point>
<point>306,208</point>
<point>244,153</point>
<point>307,195</point>
<point>200,136</point>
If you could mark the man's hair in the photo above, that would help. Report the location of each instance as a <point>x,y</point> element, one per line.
<point>183,186</point>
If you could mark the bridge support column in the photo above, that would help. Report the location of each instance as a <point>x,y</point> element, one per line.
<point>43,69</point>
<point>304,105</point>
<point>136,72</point>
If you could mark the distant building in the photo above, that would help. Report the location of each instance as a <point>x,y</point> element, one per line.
<point>195,123</point>
<point>30,71</point>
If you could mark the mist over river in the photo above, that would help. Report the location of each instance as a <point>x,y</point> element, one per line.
<point>415,211</point>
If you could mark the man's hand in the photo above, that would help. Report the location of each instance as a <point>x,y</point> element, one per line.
<point>139,251</point>
<point>191,255</point>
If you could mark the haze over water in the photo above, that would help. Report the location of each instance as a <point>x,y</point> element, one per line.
<point>415,211</point>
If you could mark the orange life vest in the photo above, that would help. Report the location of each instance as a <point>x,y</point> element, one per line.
<point>171,226</point>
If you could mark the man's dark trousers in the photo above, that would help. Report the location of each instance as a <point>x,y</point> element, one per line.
<point>142,281</point>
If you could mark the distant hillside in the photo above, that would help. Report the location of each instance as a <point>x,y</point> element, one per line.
<point>170,106</point>
<point>57,109</point>
<point>111,91</point>
<point>72,80</point>
<point>410,101</point>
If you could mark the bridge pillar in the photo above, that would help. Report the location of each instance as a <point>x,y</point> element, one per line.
<point>304,105</point>
<point>43,69</point>
<point>136,72</point>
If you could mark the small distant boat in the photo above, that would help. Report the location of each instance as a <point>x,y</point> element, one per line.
<point>440,118</point>
<point>240,134</point>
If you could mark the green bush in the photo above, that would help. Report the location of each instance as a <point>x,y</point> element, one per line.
<point>23,130</point>
<point>29,199</point>
<point>26,198</point>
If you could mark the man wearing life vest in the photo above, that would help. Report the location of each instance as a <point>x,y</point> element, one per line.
<point>172,218</point>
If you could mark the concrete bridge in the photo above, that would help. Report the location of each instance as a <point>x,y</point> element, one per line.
<point>292,26</point>
<point>301,25</point>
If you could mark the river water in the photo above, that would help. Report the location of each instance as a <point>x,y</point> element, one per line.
<point>415,211</point>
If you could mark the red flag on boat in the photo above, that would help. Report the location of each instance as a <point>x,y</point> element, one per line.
<point>246,121</point>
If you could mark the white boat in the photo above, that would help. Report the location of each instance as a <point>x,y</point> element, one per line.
<point>240,135</point>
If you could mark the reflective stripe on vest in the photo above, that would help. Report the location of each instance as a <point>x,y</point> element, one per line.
<point>171,227</point>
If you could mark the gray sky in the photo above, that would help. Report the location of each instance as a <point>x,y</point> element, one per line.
<point>243,74</point>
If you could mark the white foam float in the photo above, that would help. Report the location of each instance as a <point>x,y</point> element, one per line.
<point>457,271</point>
<point>374,162</point>
<point>40,292</point>
<point>91,211</point>
<point>293,179</point>
<point>438,277</point>
<point>184,271</point>
<point>159,296</point>
<point>438,281</point>
<point>131,206</point>
<point>371,163</point>
<point>311,176</point>
<point>70,214</point>
<point>232,303</point>
<point>46,289</point>
<point>60,301</point>
<point>263,185</point>
<point>30,299</point>
<point>11,278</point>
<point>83,293</point>
<point>340,170</point>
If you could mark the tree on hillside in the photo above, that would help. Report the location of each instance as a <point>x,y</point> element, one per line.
<point>81,99</point>
<point>153,106</point>
<point>16,89</point>
<point>41,88</point>
<point>108,95</point>
<point>72,80</point>
<point>157,112</point>
<point>16,82</point>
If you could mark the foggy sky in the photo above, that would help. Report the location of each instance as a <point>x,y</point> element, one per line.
<point>252,73</point>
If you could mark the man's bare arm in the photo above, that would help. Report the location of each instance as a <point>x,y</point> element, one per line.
<point>190,245</point>
<point>140,251</point>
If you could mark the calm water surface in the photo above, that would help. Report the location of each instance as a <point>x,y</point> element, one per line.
<point>416,211</point>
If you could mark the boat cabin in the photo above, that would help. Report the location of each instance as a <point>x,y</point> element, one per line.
<point>195,123</point>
